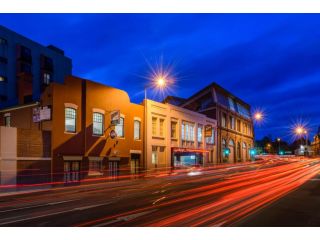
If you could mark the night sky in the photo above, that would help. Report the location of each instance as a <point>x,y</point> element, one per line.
<point>271,61</point>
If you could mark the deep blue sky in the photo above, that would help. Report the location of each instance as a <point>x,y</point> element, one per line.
<point>271,61</point>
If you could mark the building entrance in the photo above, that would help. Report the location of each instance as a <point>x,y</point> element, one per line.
<point>71,171</point>
<point>134,163</point>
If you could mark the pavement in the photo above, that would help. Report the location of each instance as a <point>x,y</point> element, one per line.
<point>228,195</point>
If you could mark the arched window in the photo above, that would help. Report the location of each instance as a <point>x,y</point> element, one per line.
<point>224,143</point>
<point>231,143</point>
<point>244,145</point>
<point>238,150</point>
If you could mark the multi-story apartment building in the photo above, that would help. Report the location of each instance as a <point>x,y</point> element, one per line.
<point>178,137</point>
<point>26,68</point>
<point>235,125</point>
<point>79,129</point>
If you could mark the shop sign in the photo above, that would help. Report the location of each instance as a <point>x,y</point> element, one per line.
<point>41,114</point>
<point>115,117</point>
<point>208,131</point>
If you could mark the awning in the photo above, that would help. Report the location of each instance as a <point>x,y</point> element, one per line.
<point>93,158</point>
<point>72,158</point>
<point>176,149</point>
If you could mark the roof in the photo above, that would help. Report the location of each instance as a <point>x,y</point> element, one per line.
<point>217,86</point>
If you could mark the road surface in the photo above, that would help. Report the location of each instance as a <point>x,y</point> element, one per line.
<point>223,195</point>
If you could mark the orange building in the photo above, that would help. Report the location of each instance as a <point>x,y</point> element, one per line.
<point>75,136</point>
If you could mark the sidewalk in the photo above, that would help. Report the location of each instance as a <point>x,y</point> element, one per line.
<point>300,208</point>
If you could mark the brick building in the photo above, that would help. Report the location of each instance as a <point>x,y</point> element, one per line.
<point>76,138</point>
<point>235,125</point>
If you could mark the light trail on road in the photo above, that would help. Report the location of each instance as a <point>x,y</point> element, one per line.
<point>216,196</point>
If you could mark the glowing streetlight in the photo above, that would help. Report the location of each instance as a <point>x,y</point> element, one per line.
<point>299,130</point>
<point>258,116</point>
<point>161,82</point>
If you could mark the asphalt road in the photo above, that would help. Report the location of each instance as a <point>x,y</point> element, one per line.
<point>228,195</point>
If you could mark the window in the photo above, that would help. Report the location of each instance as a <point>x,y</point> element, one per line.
<point>137,126</point>
<point>187,130</point>
<point>3,78</point>
<point>3,41</point>
<point>154,126</point>
<point>223,119</point>
<point>98,124</point>
<point>174,130</point>
<point>120,128</point>
<point>95,167</point>
<point>46,78</point>
<point>210,140</point>
<point>232,123</point>
<point>200,128</point>
<point>70,120</point>
<point>245,129</point>
<point>161,132</point>
<point>238,125</point>
<point>3,60</point>
<point>7,121</point>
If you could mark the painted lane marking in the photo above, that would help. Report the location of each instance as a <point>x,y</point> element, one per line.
<point>158,200</point>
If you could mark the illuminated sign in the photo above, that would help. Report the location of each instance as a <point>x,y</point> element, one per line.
<point>208,131</point>
<point>115,117</point>
<point>113,134</point>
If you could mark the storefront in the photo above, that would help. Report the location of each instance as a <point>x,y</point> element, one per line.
<point>184,157</point>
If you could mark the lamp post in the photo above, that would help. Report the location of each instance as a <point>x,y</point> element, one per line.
<point>278,140</point>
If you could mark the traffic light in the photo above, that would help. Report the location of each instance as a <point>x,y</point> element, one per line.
<point>281,152</point>
<point>253,151</point>
<point>226,151</point>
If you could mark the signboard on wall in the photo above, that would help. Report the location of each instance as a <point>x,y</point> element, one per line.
<point>45,113</point>
<point>41,114</point>
<point>115,117</point>
<point>207,131</point>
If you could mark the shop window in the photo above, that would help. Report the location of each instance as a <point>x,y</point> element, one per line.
<point>120,128</point>
<point>95,167</point>
<point>98,124</point>
<point>137,127</point>
<point>70,120</point>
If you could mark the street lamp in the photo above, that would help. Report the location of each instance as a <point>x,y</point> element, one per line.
<point>278,140</point>
<point>258,116</point>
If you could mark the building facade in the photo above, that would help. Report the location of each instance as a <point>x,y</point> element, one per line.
<point>235,125</point>
<point>75,138</point>
<point>26,68</point>
<point>177,137</point>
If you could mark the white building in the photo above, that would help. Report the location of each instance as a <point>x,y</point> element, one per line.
<point>178,137</point>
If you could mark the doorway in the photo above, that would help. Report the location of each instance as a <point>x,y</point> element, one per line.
<point>71,171</point>
<point>134,163</point>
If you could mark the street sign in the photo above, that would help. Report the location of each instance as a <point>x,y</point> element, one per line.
<point>113,134</point>
<point>115,117</point>
<point>208,131</point>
